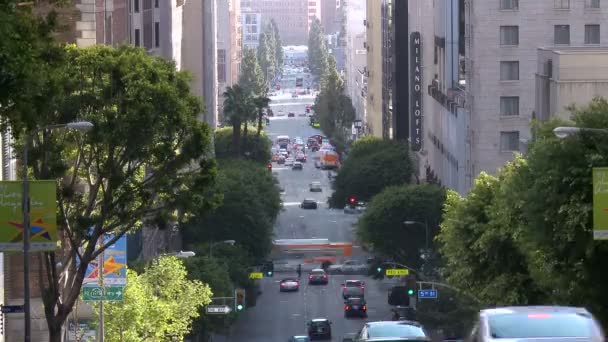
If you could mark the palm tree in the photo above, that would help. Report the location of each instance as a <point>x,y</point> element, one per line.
<point>237,104</point>
<point>260,102</point>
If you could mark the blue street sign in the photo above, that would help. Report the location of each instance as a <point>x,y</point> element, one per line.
<point>428,293</point>
<point>12,308</point>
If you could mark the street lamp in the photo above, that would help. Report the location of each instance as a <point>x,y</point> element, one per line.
<point>227,242</point>
<point>563,132</point>
<point>426,230</point>
<point>81,126</point>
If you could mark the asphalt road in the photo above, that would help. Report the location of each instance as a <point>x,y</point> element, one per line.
<point>277,316</point>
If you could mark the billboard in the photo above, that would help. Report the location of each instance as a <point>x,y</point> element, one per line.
<point>114,265</point>
<point>43,216</point>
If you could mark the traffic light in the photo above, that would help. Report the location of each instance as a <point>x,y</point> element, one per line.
<point>239,299</point>
<point>379,269</point>
<point>352,201</point>
<point>269,167</point>
<point>268,269</point>
<point>411,285</point>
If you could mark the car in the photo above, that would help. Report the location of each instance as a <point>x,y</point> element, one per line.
<point>294,95</point>
<point>318,276</point>
<point>275,157</point>
<point>289,161</point>
<point>289,284</point>
<point>301,157</point>
<point>536,323</point>
<point>392,331</point>
<point>299,338</point>
<point>403,313</point>
<point>319,329</point>
<point>316,187</point>
<point>355,306</point>
<point>353,291</point>
<point>291,115</point>
<point>281,160</point>
<point>297,166</point>
<point>309,204</point>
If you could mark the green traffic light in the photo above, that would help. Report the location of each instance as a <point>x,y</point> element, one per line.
<point>410,292</point>
<point>379,269</point>
<point>269,273</point>
<point>239,307</point>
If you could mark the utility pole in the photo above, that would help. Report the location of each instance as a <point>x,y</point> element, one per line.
<point>100,275</point>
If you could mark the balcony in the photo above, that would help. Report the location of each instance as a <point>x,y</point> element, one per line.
<point>454,99</point>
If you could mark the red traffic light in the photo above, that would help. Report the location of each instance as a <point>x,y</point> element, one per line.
<point>269,166</point>
<point>352,200</point>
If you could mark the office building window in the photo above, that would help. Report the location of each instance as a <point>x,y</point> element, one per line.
<point>137,38</point>
<point>509,4</point>
<point>561,4</point>
<point>509,71</point>
<point>156,34</point>
<point>509,141</point>
<point>221,65</point>
<point>509,35</point>
<point>592,34</point>
<point>155,3</point>
<point>136,6</point>
<point>147,4</point>
<point>509,105</point>
<point>592,3</point>
<point>561,34</point>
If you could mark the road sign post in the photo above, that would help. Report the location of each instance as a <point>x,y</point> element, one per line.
<point>218,309</point>
<point>428,293</point>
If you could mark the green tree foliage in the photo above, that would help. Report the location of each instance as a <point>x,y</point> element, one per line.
<point>121,91</point>
<point>159,304</point>
<point>261,102</point>
<point>278,45</point>
<point>317,50</point>
<point>332,107</point>
<point>256,148</point>
<point>239,109</point>
<point>537,242</point>
<point>382,226</point>
<point>371,166</point>
<point>250,207</point>
<point>252,77</point>
<point>266,54</point>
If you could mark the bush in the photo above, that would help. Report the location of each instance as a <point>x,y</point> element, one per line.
<point>371,166</point>
<point>253,147</point>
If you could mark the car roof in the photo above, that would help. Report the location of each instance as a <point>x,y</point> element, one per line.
<point>317,270</point>
<point>535,309</point>
<point>319,320</point>
<point>309,200</point>
<point>289,279</point>
<point>352,280</point>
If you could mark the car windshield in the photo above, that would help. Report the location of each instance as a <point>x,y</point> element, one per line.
<point>540,325</point>
<point>317,272</point>
<point>301,339</point>
<point>351,283</point>
<point>288,280</point>
<point>319,324</point>
<point>355,300</point>
<point>395,330</point>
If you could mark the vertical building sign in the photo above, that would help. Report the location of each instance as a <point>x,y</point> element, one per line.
<point>416,91</point>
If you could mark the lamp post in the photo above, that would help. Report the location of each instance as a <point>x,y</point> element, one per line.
<point>563,132</point>
<point>213,244</point>
<point>426,230</point>
<point>25,198</point>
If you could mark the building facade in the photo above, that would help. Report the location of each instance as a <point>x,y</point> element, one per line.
<point>373,46</point>
<point>228,46</point>
<point>293,17</point>
<point>330,14</point>
<point>356,59</point>
<point>251,27</point>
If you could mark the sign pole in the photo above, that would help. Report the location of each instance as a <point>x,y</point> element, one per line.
<point>26,245</point>
<point>100,274</point>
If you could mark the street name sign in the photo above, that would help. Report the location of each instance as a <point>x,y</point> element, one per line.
<point>397,271</point>
<point>12,308</point>
<point>110,293</point>
<point>218,309</point>
<point>256,275</point>
<point>428,293</point>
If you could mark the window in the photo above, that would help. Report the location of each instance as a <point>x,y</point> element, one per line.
<point>592,3</point>
<point>561,34</point>
<point>156,34</point>
<point>509,4</point>
<point>553,325</point>
<point>509,141</point>
<point>136,6</point>
<point>221,65</point>
<point>509,71</point>
<point>561,4</point>
<point>592,34</point>
<point>509,105</point>
<point>137,38</point>
<point>155,3</point>
<point>509,35</point>
<point>147,4</point>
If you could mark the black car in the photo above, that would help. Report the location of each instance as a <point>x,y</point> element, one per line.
<point>309,204</point>
<point>319,329</point>
<point>318,276</point>
<point>291,115</point>
<point>355,306</point>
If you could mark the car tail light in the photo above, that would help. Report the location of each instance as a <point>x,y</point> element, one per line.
<point>309,277</point>
<point>347,308</point>
<point>325,276</point>
<point>364,308</point>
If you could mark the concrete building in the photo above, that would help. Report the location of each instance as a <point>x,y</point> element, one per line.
<point>228,46</point>
<point>251,27</point>
<point>293,17</point>
<point>373,45</point>
<point>356,58</point>
<point>330,15</point>
<point>481,88</point>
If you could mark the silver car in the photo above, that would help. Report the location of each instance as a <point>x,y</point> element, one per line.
<point>536,323</point>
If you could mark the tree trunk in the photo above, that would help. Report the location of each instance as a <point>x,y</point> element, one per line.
<point>260,114</point>
<point>236,138</point>
<point>246,130</point>
<point>55,331</point>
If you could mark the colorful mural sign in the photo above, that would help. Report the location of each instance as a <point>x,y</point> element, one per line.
<point>43,216</point>
<point>114,265</point>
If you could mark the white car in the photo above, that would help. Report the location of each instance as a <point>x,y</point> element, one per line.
<point>315,187</point>
<point>289,161</point>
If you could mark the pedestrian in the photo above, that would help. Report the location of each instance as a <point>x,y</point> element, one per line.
<point>299,271</point>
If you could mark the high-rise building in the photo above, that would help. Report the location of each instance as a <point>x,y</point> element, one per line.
<point>228,46</point>
<point>373,46</point>
<point>330,17</point>
<point>293,17</point>
<point>251,21</point>
<point>356,58</point>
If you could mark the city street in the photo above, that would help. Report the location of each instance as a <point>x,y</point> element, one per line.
<point>277,316</point>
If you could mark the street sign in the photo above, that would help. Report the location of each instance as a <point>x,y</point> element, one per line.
<point>12,308</point>
<point>256,275</point>
<point>428,293</point>
<point>218,309</point>
<point>111,293</point>
<point>397,272</point>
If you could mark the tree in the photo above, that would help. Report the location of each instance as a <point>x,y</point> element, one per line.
<point>278,45</point>
<point>103,188</point>
<point>261,102</point>
<point>251,78</point>
<point>238,109</point>
<point>253,147</point>
<point>317,50</point>
<point>332,107</point>
<point>159,304</point>
<point>382,223</point>
<point>266,54</point>
<point>250,207</point>
<point>371,166</point>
